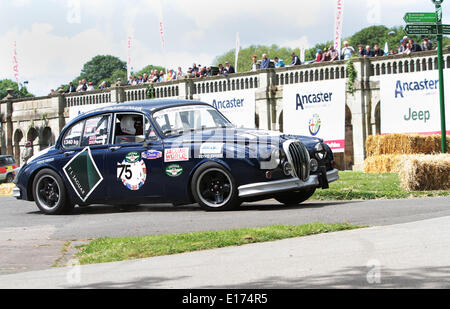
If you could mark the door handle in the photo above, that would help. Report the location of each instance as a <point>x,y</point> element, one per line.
<point>68,153</point>
<point>114,148</point>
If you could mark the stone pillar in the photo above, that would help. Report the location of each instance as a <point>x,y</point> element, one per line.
<point>118,92</point>
<point>185,89</point>
<point>60,101</point>
<point>357,102</point>
<point>263,100</point>
<point>7,114</point>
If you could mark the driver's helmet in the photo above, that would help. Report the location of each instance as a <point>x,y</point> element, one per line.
<point>127,125</point>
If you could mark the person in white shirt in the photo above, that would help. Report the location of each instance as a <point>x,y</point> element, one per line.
<point>347,51</point>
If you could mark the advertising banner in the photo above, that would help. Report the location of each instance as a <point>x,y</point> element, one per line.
<point>316,109</point>
<point>410,103</point>
<point>74,111</point>
<point>237,106</point>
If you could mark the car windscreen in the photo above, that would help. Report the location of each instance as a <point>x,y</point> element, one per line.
<point>179,120</point>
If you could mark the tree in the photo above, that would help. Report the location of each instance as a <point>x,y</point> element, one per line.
<point>149,68</point>
<point>100,68</point>
<point>7,83</point>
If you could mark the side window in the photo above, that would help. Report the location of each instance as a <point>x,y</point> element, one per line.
<point>11,160</point>
<point>130,128</point>
<point>96,131</point>
<point>73,135</point>
<point>2,162</point>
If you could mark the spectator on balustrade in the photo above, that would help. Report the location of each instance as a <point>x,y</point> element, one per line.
<point>229,69</point>
<point>319,55</point>
<point>334,54</point>
<point>265,62</point>
<point>361,51</point>
<point>414,46</point>
<point>71,88</point>
<point>170,76</point>
<point>347,51</point>
<point>209,72</point>
<point>295,59</point>
<point>255,65</point>
<point>90,87</point>
<point>369,52</point>
<point>402,48</point>
<point>221,69</point>
<point>195,70</point>
<point>180,72</point>
<point>426,45</point>
<point>103,85</point>
<point>144,78</point>
<point>203,72</point>
<point>161,76</point>
<point>326,55</point>
<point>408,48</point>
<point>378,52</point>
<point>279,63</point>
<point>80,86</point>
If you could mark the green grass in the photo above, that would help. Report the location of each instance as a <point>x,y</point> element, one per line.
<point>118,249</point>
<point>358,185</point>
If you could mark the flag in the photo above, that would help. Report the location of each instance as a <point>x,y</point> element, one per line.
<point>16,65</point>
<point>129,68</point>
<point>338,25</point>
<point>386,49</point>
<point>302,54</point>
<point>238,47</point>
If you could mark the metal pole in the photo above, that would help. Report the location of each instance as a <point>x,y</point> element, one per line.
<point>441,80</point>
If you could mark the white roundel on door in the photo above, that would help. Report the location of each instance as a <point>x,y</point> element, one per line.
<point>132,171</point>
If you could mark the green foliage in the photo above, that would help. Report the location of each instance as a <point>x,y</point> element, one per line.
<point>245,55</point>
<point>122,74</point>
<point>352,74</point>
<point>101,68</point>
<point>7,83</point>
<point>148,69</point>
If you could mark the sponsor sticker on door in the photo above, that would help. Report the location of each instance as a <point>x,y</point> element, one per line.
<point>176,154</point>
<point>174,170</point>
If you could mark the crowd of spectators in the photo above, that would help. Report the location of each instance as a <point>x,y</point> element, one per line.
<point>407,46</point>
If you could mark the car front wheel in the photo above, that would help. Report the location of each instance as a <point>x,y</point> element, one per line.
<point>214,188</point>
<point>294,197</point>
<point>50,193</point>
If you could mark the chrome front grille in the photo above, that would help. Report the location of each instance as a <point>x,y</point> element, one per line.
<point>298,156</point>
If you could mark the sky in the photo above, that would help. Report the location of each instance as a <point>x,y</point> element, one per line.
<point>54,38</point>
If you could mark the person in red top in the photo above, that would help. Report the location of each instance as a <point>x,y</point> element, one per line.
<point>319,55</point>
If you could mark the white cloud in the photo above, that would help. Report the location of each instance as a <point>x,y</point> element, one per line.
<point>21,3</point>
<point>301,42</point>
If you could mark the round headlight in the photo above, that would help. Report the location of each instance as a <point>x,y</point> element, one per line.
<point>314,165</point>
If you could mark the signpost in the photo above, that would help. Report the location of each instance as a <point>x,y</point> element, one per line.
<point>430,24</point>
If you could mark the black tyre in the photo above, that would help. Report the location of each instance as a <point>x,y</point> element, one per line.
<point>294,197</point>
<point>214,188</point>
<point>9,178</point>
<point>50,193</point>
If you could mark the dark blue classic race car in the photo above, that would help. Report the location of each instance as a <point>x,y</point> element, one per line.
<point>171,151</point>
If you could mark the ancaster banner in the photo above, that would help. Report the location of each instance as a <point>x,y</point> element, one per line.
<point>316,109</point>
<point>237,106</point>
<point>410,103</point>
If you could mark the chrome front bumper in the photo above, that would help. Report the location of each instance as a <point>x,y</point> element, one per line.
<point>269,187</point>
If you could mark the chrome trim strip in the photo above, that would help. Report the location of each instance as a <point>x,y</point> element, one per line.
<point>263,188</point>
<point>16,192</point>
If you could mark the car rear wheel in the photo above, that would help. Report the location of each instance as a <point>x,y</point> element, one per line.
<point>9,178</point>
<point>50,193</point>
<point>294,197</point>
<point>214,188</point>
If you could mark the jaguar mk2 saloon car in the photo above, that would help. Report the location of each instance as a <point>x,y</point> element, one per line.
<point>171,151</point>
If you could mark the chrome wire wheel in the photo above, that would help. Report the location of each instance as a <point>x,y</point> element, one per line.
<point>48,192</point>
<point>214,188</point>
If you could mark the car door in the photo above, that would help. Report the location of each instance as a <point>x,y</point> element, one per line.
<point>134,160</point>
<point>84,147</point>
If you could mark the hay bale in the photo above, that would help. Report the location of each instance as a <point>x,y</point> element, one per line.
<point>425,172</point>
<point>404,144</point>
<point>6,188</point>
<point>383,164</point>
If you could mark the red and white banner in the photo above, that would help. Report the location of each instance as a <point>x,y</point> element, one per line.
<point>338,25</point>
<point>302,54</point>
<point>161,31</point>
<point>238,48</point>
<point>16,65</point>
<point>129,68</point>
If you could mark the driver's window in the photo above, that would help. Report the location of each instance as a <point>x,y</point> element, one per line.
<point>131,128</point>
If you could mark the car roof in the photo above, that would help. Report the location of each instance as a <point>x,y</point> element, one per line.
<point>144,105</point>
<point>5,156</point>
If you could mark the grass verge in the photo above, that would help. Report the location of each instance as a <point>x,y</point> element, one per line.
<point>118,249</point>
<point>359,185</point>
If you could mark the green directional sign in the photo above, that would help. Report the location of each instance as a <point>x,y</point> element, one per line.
<point>420,17</point>
<point>421,29</point>
<point>446,29</point>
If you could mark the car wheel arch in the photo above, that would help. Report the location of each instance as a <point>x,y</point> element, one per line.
<point>33,175</point>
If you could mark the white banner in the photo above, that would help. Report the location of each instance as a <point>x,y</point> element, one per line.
<point>74,111</point>
<point>129,67</point>
<point>338,25</point>
<point>16,65</point>
<point>410,103</point>
<point>237,106</point>
<point>316,109</point>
